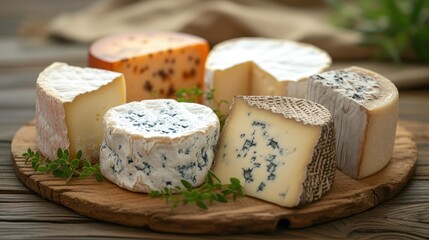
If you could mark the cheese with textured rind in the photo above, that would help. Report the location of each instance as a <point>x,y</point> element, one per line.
<point>364,106</point>
<point>281,149</point>
<point>153,144</point>
<point>155,64</point>
<point>70,104</point>
<point>261,66</point>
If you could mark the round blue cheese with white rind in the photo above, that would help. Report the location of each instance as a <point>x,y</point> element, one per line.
<point>154,144</point>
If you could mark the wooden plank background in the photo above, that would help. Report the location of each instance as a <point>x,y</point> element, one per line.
<point>23,214</point>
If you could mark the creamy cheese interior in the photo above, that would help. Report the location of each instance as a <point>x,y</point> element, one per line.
<point>261,66</point>
<point>266,152</point>
<point>84,116</point>
<point>70,105</point>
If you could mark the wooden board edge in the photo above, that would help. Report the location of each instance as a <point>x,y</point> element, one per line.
<point>278,221</point>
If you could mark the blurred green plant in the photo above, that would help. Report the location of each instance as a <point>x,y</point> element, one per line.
<point>396,27</point>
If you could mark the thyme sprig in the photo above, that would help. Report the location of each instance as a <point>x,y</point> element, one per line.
<point>189,94</point>
<point>212,190</point>
<point>63,166</point>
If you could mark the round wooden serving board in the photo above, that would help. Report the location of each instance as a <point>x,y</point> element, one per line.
<point>108,202</point>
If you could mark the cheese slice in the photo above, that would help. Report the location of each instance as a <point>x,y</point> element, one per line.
<point>364,106</point>
<point>261,66</point>
<point>281,149</point>
<point>155,64</point>
<point>153,144</point>
<point>70,104</point>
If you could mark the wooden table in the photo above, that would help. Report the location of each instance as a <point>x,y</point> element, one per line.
<point>23,214</point>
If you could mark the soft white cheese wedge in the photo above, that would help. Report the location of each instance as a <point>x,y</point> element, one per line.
<point>261,66</point>
<point>364,106</point>
<point>281,149</point>
<point>70,104</point>
<point>154,144</point>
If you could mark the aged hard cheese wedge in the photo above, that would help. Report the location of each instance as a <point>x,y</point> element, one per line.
<point>70,105</point>
<point>364,106</point>
<point>262,66</point>
<point>282,149</point>
<point>155,64</point>
<point>153,144</point>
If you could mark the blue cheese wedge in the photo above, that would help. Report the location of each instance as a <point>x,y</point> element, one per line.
<point>70,104</point>
<point>153,144</point>
<point>262,66</point>
<point>364,106</point>
<point>282,149</point>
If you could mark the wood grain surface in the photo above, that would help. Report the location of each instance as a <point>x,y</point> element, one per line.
<point>26,215</point>
<point>108,202</point>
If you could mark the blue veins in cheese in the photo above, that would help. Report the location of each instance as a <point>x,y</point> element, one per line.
<point>282,149</point>
<point>70,104</point>
<point>153,144</point>
<point>364,106</point>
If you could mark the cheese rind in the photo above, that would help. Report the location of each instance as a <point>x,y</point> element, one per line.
<point>70,103</point>
<point>261,66</point>
<point>364,106</point>
<point>155,64</point>
<point>282,149</point>
<point>153,144</point>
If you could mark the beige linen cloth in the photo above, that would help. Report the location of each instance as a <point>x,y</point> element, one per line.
<point>218,20</point>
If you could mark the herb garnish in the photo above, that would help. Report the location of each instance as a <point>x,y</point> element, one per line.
<point>211,190</point>
<point>63,167</point>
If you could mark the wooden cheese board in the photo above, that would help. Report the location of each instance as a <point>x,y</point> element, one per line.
<point>107,202</point>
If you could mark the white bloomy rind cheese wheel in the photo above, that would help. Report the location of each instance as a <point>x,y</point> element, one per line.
<point>155,64</point>
<point>364,106</point>
<point>70,104</point>
<point>262,66</point>
<point>154,144</point>
<point>282,149</point>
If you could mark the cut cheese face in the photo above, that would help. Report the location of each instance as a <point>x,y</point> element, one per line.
<point>155,64</point>
<point>281,149</point>
<point>364,106</point>
<point>153,144</point>
<point>70,105</point>
<point>261,66</point>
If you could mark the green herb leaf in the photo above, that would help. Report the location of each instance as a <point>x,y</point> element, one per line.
<point>186,184</point>
<point>63,167</point>
<point>202,205</point>
<point>86,164</point>
<point>75,163</point>
<point>53,166</point>
<point>68,174</point>
<point>99,177</point>
<point>59,153</point>
<point>212,175</point>
<point>221,198</point>
<point>211,190</point>
<point>43,169</point>
<point>34,165</point>
<point>394,27</point>
<point>65,155</point>
<point>84,175</point>
<point>235,181</point>
<point>79,154</point>
<point>188,94</point>
<point>58,173</point>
